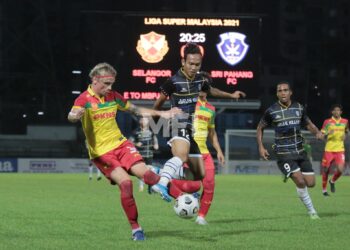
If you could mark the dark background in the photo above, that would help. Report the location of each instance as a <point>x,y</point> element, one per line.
<point>42,42</point>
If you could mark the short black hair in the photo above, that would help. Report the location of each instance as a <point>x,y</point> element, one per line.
<point>337,105</point>
<point>284,82</point>
<point>191,48</point>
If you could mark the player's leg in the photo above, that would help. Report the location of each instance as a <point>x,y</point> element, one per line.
<point>141,186</point>
<point>308,175</point>
<point>290,169</point>
<point>208,189</point>
<point>98,173</point>
<point>339,163</point>
<point>180,149</point>
<point>178,187</point>
<point>144,173</point>
<point>196,164</point>
<point>303,193</point>
<point>150,178</point>
<point>326,162</point>
<point>90,170</point>
<point>122,179</point>
<point>110,167</point>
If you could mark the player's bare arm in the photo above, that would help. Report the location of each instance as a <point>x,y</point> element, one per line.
<point>219,93</point>
<point>314,130</point>
<point>159,102</point>
<point>213,139</point>
<point>75,114</point>
<point>140,111</point>
<point>264,154</point>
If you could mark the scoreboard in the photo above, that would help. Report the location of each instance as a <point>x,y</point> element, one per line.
<point>146,49</point>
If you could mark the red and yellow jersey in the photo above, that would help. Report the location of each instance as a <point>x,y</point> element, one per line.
<point>99,121</point>
<point>335,131</point>
<point>204,119</point>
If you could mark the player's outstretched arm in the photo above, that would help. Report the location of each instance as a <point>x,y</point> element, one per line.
<point>141,111</point>
<point>264,154</point>
<point>219,93</point>
<point>75,114</point>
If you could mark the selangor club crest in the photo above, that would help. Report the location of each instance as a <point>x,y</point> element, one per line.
<point>152,47</point>
<point>232,47</point>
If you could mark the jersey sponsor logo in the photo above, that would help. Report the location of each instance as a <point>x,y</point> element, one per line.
<point>104,115</point>
<point>287,123</point>
<point>152,47</point>
<point>187,100</point>
<point>232,47</point>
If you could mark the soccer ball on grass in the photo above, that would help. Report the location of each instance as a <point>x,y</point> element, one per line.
<point>186,206</point>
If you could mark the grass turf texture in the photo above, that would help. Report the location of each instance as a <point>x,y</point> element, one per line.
<point>66,211</point>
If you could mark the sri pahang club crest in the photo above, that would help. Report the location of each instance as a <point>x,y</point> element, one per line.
<point>152,47</point>
<point>232,47</point>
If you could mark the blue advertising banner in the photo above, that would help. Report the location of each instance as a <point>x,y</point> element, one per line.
<point>8,165</point>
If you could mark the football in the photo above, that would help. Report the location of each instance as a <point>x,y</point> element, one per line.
<point>186,206</point>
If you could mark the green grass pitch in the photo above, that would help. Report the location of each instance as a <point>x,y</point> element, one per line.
<point>66,211</point>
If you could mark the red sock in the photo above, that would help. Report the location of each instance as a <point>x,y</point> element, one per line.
<point>187,186</point>
<point>336,176</point>
<point>324,179</point>
<point>207,193</point>
<point>128,203</point>
<point>150,178</point>
<point>174,190</point>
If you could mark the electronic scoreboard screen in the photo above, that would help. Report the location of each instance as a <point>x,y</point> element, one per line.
<point>146,49</point>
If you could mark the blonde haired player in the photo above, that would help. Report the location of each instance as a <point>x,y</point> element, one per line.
<point>110,151</point>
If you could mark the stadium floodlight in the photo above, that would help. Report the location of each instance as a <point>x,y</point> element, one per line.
<point>40,113</point>
<point>76,92</point>
<point>76,72</point>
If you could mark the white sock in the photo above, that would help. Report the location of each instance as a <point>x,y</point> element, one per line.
<point>135,230</point>
<point>180,173</point>
<point>169,170</point>
<point>98,173</point>
<point>90,171</point>
<point>305,198</point>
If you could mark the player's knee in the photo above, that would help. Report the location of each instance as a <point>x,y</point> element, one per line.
<point>311,184</point>
<point>126,188</point>
<point>340,169</point>
<point>183,158</point>
<point>300,183</point>
<point>150,178</point>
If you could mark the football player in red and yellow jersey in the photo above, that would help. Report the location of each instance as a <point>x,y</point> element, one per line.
<point>335,130</point>
<point>110,151</point>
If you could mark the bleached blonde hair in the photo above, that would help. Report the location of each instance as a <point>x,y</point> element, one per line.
<point>100,68</point>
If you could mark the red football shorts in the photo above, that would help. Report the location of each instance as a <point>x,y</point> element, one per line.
<point>329,157</point>
<point>125,156</point>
